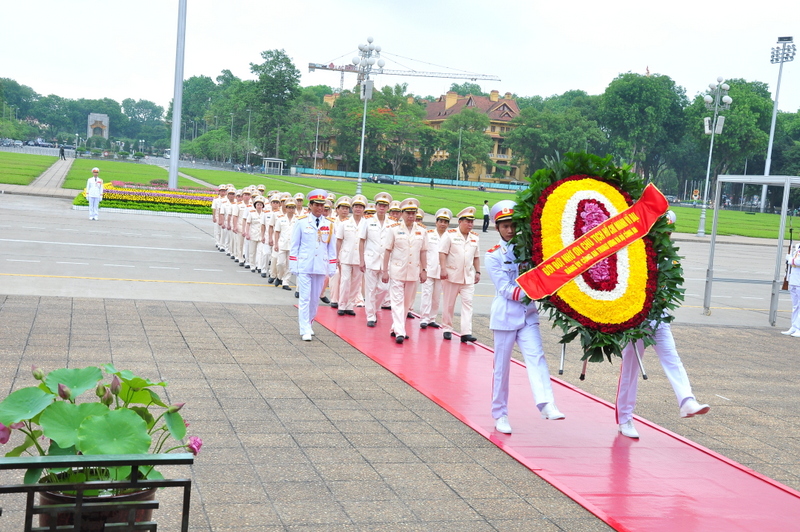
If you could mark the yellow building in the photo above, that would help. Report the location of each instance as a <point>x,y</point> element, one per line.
<point>501,111</point>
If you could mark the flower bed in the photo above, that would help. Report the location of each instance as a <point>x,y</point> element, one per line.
<point>148,197</point>
<point>616,300</point>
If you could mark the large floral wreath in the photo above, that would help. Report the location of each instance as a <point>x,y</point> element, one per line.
<point>619,299</point>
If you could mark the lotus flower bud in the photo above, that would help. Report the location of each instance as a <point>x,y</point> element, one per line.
<point>107,398</point>
<point>100,391</point>
<point>116,385</point>
<point>37,373</point>
<point>175,408</point>
<point>64,392</point>
<point>194,445</point>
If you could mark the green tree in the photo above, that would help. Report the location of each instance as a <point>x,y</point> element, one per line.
<point>540,133</point>
<point>467,88</point>
<point>277,85</point>
<point>644,117</point>
<point>475,145</point>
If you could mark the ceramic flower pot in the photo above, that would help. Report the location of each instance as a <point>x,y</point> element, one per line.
<point>95,521</point>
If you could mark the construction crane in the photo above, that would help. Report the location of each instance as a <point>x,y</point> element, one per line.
<point>353,69</point>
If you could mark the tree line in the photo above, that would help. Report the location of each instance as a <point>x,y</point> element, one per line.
<point>646,121</point>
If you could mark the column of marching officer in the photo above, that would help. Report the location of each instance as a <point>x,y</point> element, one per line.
<point>374,255</point>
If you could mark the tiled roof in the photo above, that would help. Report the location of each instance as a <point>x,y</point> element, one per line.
<point>503,110</point>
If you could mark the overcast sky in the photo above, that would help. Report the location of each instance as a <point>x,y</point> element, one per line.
<point>106,48</point>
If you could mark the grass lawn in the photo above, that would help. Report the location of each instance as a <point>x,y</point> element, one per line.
<point>430,200</point>
<point>734,223</point>
<point>81,171</point>
<point>23,168</point>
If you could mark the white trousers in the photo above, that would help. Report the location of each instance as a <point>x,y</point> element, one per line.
<point>262,255</point>
<point>94,207</point>
<point>401,294</point>
<point>334,284</point>
<point>349,286</point>
<point>530,343</point>
<point>451,291</point>
<point>309,285</point>
<point>794,291</point>
<point>273,263</point>
<point>629,372</point>
<point>375,293</point>
<point>217,233</point>
<point>431,300</point>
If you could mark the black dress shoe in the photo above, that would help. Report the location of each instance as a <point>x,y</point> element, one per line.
<point>247,267</point>
<point>287,287</point>
<point>270,279</point>
<point>468,338</point>
<point>277,282</point>
<point>325,299</point>
<point>392,334</point>
<point>423,325</point>
<point>334,305</point>
<point>410,316</point>
<point>370,324</point>
<point>297,295</point>
<point>434,325</point>
<point>350,312</point>
<point>387,308</point>
<point>400,339</point>
<point>254,270</point>
<point>264,275</point>
<point>340,312</point>
<point>447,335</point>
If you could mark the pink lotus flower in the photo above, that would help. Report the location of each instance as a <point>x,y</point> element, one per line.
<point>194,444</point>
<point>5,433</point>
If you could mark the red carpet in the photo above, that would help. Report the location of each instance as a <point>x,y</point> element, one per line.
<point>662,482</point>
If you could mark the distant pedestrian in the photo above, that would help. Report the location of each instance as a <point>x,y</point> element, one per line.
<point>61,153</point>
<point>94,193</point>
<point>485,215</point>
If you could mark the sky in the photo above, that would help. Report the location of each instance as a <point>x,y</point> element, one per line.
<point>106,48</point>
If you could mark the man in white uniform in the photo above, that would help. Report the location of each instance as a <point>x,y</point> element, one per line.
<point>512,321</point>
<point>404,264</point>
<point>342,214</point>
<point>673,369</point>
<point>284,224</point>
<point>432,288</point>
<point>371,252</point>
<point>348,236</point>
<point>312,258</point>
<point>94,193</point>
<point>215,206</point>
<point>793,262</point>
<point>460,264</point>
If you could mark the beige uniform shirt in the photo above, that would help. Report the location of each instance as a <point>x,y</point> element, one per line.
<point>433,253</point>
<point>405,247</point>
<point>349,232</point>
<point>372,234</point>
<point>461,253</point>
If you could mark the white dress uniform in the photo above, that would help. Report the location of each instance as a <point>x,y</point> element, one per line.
<point>94,194</point>
<point>226,209</point>
<point>461,251</point>
<point>335,282</point>
<point>254,233</point>
<point>432,287</point>
<point>794,290</point>
<point>348,233</point>
<point>375,290</point>
<point>512,321</point>
<point>406,247</point>
<point>283,231</point>
<point>312,258</point>
<point>215,204</point>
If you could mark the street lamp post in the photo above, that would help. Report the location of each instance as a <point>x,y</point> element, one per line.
<point>458,164</point>
<point>783,54</point>
<point>369,54</point>
<point>247,162</point>
<point>316,144</point>
<point>720,99</point>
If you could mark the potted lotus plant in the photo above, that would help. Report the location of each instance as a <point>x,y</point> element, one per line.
<point>123,414</point>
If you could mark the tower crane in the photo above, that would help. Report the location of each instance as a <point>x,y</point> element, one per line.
<point>353,69</point>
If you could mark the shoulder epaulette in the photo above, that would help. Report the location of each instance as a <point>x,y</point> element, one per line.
<point>302,216</point>
<point>452,230</point>
<point>431,230</point>
<point>395,224</point>
<point>493,249</point>
<point>369,216</point>
<point>330,218</point>
<point>473,233</point>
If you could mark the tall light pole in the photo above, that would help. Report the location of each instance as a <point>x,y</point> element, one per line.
<point>720,99</point>
<point>177,99</point>
<point>369,54</point>
<point>316,144</point>
<point>231,158</point>
<point>458,164</point>
<point>247,162</point>
<point>783,54</point>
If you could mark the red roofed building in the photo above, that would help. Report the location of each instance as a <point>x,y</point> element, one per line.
<point>500,112</point>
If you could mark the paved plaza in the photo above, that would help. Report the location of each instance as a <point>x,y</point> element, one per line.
<point>316,436</point>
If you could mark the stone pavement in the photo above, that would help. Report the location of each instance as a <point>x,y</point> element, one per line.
<point>48,184</point>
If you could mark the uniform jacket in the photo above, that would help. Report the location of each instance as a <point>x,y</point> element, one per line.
<point>461,253</point>
<point>405,247</point>
<point>433,253</point>
<point>286,228</point>
<point>372,234</point>
<point>349,232</point>
<point>313,249</point>
<point>94,188</point>
<point>508,312</point>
